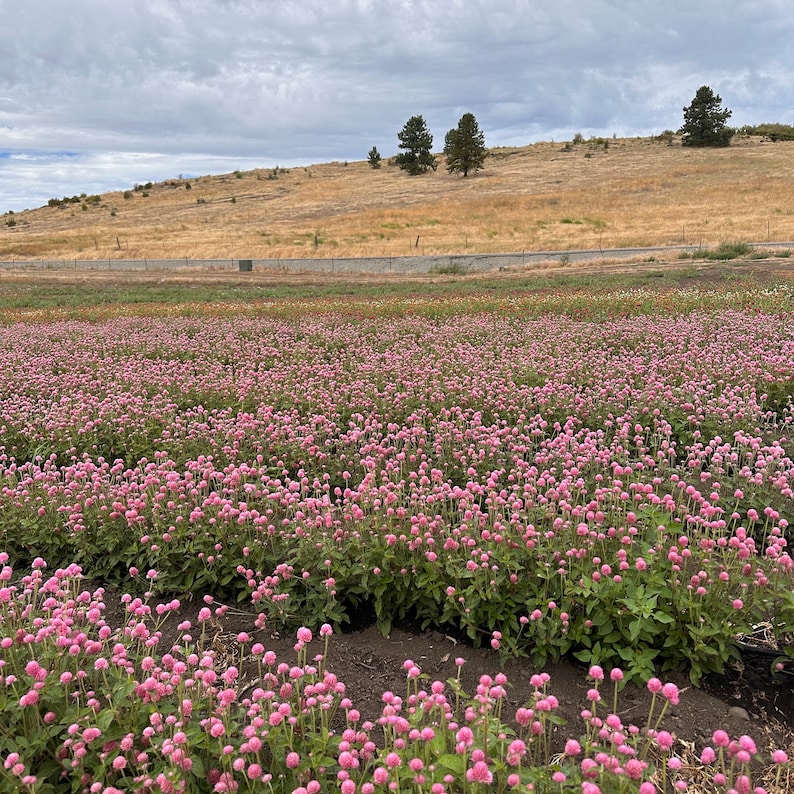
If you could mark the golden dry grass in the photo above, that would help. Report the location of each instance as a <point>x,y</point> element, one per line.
<point>634,192</point>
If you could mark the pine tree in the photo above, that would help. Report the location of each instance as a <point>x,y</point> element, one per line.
<point>417,142</point>
<point>704,121</point>
<point>465,146</point>
<point>373,157</point>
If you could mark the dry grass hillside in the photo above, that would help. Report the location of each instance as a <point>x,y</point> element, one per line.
<point>546,196</point>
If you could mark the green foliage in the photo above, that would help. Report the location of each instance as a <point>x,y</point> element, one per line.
<point>452,268</point>
<point>705,121</point>
<point>417,143</point>
<point>724,252</point>
<point>666,136</point>
<point>773,131</point>
<point>464,146</point>
<point>373,157</point>
<point>56,202</point>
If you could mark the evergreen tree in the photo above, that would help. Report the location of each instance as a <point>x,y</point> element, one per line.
<point>465,146</point>
<point>704,121</point>
<point>374,157</point>
<point>416,143</point>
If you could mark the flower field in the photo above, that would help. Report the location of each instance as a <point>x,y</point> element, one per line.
<point>607,477</point>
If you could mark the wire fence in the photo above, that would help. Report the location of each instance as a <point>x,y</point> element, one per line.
<point>455,263</point>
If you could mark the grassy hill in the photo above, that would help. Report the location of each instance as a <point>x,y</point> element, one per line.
<point>546,196</point>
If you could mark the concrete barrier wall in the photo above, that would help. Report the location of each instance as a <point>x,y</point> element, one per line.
<point>461,263</point>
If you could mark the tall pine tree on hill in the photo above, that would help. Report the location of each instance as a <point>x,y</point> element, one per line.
<point>416,143</point>
<point>465,146</point>
<point>705,121</point>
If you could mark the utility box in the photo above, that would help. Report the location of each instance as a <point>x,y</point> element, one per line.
<point>246,265</point>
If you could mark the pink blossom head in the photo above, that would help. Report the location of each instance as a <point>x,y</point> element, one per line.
<point>670,692</point>
<point>479,773</point>
<point>721,738</point>
<point>654,685</point>
<point>596,673</point>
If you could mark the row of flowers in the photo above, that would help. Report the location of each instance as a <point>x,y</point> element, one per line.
<point>619,490</point>
<point>108,709</point>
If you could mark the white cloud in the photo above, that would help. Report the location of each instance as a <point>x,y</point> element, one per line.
<point>134,87</point>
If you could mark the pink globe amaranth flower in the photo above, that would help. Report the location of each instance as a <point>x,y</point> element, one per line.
<point>708,756</point>
<point>654,685</point>
<point>572,747</point>
<point>779,757</point>
<point>670,692</point>
<point>524,717</point>
<point>393,760</point>
<point>664,740</point>
<point>380,775</point>
<point>465,736</point>
<point>721,738</point>
<point>479,773</point>
<point>616,674</point>
<point>292,760</point>
<point>29,698</point>
<point>647,788</point>
<point>304,634</point>
<point>738,603</point>
<point>596,673</point>
<point>747,743</point>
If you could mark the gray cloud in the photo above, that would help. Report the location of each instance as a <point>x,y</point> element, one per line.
<point>139,91</point>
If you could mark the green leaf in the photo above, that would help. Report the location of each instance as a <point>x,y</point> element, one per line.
<point>455,763</point>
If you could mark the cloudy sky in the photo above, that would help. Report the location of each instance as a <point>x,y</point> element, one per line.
<point>98,95</point>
